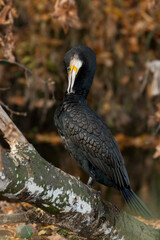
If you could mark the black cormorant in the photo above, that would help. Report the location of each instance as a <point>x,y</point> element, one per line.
<point>86,136</point>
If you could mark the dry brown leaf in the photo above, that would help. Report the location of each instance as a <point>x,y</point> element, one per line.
<point>17,100</point>
<point>105,58</point>
<point>2,3</point>
<point>157,114</point>
<point>3,15</point>
<point>65,14</point>
<point>124,80</point>
<point>7,231</point>
<point>133,44</point>
<point>6,35</point>
<point>42,232</point>
<point>154,87</point>
<point>143,141</point>
<point>119,50</point>
<point>41,103</point>
<point>111,28</point>
<point>55,236</point>
<point>151,222</point>
<point>157,153</point>
<point>51,138</point>
<point>139,27</point>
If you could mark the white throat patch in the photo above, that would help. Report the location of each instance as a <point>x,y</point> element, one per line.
<point>75,65</point>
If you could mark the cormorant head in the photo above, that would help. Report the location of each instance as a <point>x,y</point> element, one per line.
<point>80,65</point>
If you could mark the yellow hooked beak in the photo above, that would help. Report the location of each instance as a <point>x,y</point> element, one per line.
<point>72,71</point>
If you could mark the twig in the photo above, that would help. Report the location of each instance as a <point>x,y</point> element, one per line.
<point>12,111</point>
<point>4,88</point>
<point>144,82</point>
<point>157,130</point>
<point>11,133</point>
<point>13,218</point>
<point>18,64</point>
<point>34,215</point>
<point>45,107</point>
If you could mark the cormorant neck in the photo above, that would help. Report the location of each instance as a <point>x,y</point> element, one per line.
<point>75,97</point>
<point>82,93</point>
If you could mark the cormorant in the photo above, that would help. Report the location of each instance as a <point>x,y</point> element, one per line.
<point>86,136</point>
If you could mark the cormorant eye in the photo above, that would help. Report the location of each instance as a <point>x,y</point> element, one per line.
<point>68,69</point>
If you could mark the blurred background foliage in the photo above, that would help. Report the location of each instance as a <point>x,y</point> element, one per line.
<point>125,35</point>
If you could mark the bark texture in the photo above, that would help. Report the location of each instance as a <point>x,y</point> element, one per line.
<point>63,199</point>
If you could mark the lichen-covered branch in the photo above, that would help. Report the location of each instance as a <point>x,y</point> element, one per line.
<point>65,201</point>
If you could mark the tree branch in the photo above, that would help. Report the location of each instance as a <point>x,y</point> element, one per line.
<point>11,133</point>
<point>11,111</point>
<point>65,201</point>
<point>18,64</point>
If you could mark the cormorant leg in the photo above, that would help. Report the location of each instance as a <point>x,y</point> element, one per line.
<point>90,181</point>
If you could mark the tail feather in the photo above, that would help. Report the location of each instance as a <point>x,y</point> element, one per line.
<point>131,204</point>
<point>135,203</point>
<point>140,206</point>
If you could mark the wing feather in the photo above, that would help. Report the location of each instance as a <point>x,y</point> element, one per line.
<point>90,133</point>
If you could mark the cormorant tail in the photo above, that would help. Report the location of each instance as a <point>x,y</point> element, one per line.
<point>135,204</point>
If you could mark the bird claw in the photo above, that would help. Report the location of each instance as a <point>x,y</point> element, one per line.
<point>90,181</point>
